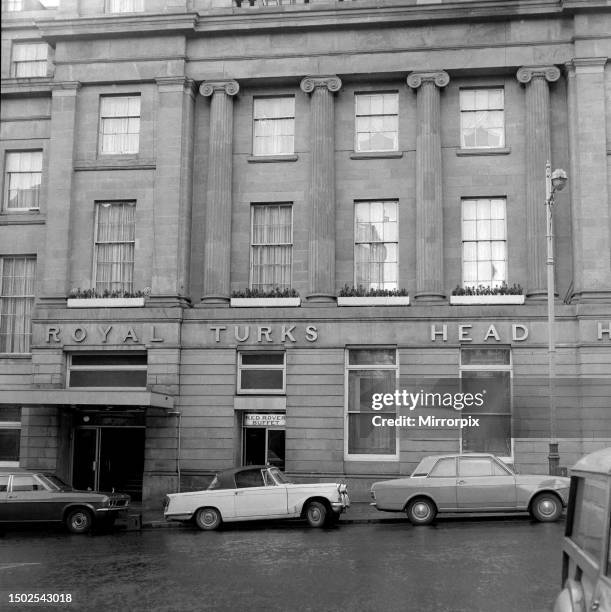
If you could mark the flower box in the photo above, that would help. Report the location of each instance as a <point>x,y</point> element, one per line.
<point>387,300</point>
<point>467,300</point>
<point>134,302</point>
<point>264,302</point>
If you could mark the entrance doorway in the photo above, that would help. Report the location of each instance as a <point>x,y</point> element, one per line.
<point>263,440</point>
<point>107,458</point>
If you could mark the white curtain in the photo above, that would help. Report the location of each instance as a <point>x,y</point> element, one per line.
<point>16,303</point>
<point>115,239</point>
<point>125,6</point>
<point>274,126</point>
<point>23,172</point>
<point>272,247</point>
<point>30,60</point>
<point>120,124</point>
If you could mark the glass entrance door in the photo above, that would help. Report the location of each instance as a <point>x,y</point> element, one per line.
<point>107,458</point>
<point>264,446</point>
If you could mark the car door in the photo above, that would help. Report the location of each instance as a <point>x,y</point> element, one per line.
<point>484,484</point>
<point>441,483</point>
<point>258,495</point>
<point>28,499</point>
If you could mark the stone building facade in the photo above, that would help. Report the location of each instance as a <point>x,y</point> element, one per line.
<point>181,151</point>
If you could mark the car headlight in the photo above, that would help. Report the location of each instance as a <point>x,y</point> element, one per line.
<point>105,500</point>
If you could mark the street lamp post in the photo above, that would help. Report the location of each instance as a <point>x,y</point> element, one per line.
<point>554,181</point>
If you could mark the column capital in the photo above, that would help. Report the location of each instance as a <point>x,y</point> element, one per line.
<point>440,77</point>
<point>229,86</point>
<point>331,82</point>
<point>175,83</point>
<point>526,73</point>
<point>65,88</point>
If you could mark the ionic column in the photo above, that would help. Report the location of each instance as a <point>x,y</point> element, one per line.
<point>538,152</point>
<point>429,197</point>
<point>217,231</point>
<point>588,179</point>
<point>54,263</point>
<point>322,187</point>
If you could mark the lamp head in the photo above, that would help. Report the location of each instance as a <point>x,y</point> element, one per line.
<point>559,179</point>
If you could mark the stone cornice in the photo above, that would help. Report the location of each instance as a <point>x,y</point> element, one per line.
<point>310,83</point>
<point>586,64</point>
<point>176,83</point>
<point>65,88</point>
<point>440,77</point>
<point>230,87</point>
<point>526,73</point>
<point>318,15</point>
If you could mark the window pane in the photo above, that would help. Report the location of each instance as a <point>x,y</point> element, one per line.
<point>492,436</point>
<point>262,379</point>
<point>376,122</point>
<point>372,357</point>
<point>109,360</point>
<point>364,438</point>
<point>9,444</point>
<point>444,468</point>
<point>475,467</point>
<point>588,524</point>
<point>262,358</point>
<point>106,378</point>
<point>485,356</point>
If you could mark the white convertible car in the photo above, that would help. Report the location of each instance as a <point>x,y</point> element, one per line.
<point>257,492</point>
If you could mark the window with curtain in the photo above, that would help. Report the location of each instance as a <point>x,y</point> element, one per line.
<point>376,244</point>
<point>370,371</point>
<point>271,249</point>
<point>29,60</point>
<point>17,278</point>
<point>119,125</point>
<point>377,122</point>
<point>115,231</point>
<point>274,126</point>
<point>484,244</point>
<point>482,118</point>
<point>22,178</point>
<point>124,6</point>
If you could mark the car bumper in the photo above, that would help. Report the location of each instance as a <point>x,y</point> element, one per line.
<point>342,505</point>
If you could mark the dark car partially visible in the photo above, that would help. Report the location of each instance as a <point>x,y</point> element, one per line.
<point>28,496</point>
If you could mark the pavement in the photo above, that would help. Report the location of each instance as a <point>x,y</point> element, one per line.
<point>358,513</point>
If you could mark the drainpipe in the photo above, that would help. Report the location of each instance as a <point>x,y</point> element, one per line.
<point>178,415</point>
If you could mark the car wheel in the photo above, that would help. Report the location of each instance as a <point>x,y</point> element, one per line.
<point>421,511</point>
<point>79,521</point>
<point>208,519</point>
<point>316,513</point>
<point>546,508</point>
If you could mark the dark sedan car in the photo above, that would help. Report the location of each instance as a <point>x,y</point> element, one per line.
<point>32,496</point>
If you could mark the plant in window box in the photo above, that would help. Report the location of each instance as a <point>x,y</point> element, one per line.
<point>247,298</point>
<point>485,294</point>
<point>92,298</point>
<point>364,296</point>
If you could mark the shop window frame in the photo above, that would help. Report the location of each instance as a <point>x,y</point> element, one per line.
<point>240,367</point>
<point>105,368</point>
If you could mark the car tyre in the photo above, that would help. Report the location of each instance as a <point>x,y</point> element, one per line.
<point>421,511</point>
<point>316,514</point>
<point>546,508</point>
<point>79,520</point>
<point>208,519</point>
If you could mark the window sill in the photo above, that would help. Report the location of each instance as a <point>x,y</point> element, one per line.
<point>136,302</point>
<point>483,151</point>
<point>264,302</point>
<point>370,458</point>
<point>270,159</point>
<point>26,217</point>
<point>468,300</point>
<point>394,300</point>
<point>376,155</point>
<point>115,162</point>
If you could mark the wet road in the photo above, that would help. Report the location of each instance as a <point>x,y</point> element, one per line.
<point>453,566</point>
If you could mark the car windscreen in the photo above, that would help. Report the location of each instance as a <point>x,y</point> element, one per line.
<point>280,476</point>
<point>54,482</point>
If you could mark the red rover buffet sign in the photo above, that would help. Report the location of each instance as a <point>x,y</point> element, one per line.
<point>292,333</point>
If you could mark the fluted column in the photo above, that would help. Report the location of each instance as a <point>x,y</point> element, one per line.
<point>322,187</point>
<point>217,231</point>
<point>538,152</point>
<point>429,196</point>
